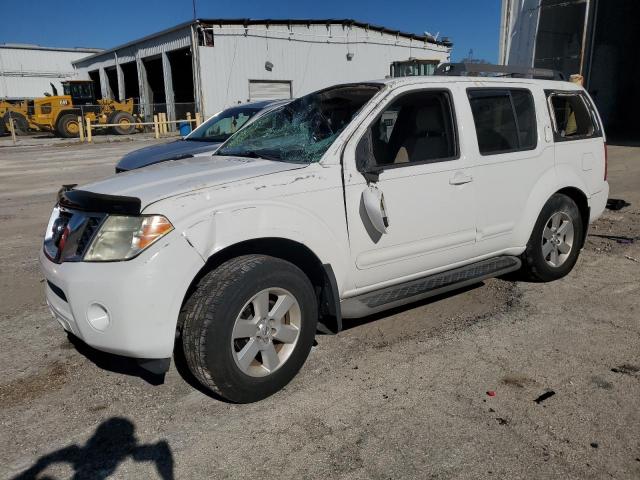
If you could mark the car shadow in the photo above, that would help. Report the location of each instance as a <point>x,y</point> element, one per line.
<point>112,443</point>
<point>114,363</point>
<point>350,323</point>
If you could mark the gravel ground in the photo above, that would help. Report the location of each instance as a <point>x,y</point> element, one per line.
<point>399,395</point>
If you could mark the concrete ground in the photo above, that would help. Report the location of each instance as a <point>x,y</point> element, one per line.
<point>400,395</point>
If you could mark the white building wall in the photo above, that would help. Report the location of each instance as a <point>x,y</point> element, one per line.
<point>26,72</point>
<point>518,31</point>
<point>311,57</point>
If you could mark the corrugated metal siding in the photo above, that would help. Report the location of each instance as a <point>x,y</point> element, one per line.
<point>27,73</point>
<point>261,90</point>
<point>519,33</point>
<point>310,57</point>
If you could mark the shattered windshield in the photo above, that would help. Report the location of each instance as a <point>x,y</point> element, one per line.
<point>302,130</point>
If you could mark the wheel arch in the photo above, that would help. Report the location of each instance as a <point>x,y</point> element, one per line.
<point>321,275</point>
<point>581,200</point>
<point>557,180</point>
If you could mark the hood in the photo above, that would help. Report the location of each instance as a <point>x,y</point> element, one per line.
<point>163,152</point>
<point>167,179</point>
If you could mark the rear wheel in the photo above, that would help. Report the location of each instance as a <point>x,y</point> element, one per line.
<point>125,121</point>
<point>68,126</point>
<point>554,245</point>
<point>249,327</point>
<point>20,123</point>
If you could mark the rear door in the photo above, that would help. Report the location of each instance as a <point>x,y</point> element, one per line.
<point>511,153</point>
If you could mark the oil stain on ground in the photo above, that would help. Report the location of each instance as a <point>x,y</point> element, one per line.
<point>25,389</point>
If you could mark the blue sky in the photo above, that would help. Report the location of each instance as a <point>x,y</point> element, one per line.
<point>471,24</point>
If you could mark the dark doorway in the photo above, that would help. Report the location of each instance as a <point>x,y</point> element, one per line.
<point>112,78</point>
<point>155,84</point>
<point>94,75</point>
<point>560,33</point>
<point>614,69</point>
<point>131,86</point>
<point>182,77</point>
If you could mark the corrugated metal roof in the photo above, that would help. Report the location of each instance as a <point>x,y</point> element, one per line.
<point>328,21</point>
<point>28,46</point>
<point>270,21</point>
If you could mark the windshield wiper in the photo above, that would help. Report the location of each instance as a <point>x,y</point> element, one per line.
<point>220,138</point>
<point>266,155</point>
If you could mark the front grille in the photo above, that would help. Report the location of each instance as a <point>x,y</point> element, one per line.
<point>87,235</point>
<point>70,233</point>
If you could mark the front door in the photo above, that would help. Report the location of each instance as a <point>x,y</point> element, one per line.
<point>424,186</point>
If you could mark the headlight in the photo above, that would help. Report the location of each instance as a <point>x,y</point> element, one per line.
<point>122,237</point>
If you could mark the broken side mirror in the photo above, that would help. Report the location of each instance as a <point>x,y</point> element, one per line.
<point>365,161</point>
<point>373,200</point>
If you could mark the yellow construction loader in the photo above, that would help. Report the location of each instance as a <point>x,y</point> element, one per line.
<point>59,113</point>
<point>18,111</point>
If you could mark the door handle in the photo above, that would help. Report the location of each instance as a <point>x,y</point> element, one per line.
<point>548,133</point>
<point>460,179</point>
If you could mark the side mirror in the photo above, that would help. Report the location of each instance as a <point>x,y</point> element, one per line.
<point>365,161</point>
<point>373,200</point>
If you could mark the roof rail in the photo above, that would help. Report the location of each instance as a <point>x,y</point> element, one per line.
<point>514,71</point>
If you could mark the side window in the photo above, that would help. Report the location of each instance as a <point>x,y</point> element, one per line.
<point>227,125</point>
<point>415,128</point>
<point>572,117</point>
<point>505,120</point>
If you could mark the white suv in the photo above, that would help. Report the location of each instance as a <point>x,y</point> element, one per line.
<point>345,202</point>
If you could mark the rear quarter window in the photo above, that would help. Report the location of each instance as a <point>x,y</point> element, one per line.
<point>505,120</point>
<point>573,116</point>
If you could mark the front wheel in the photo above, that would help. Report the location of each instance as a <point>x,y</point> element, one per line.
<point>68,126</point>
<point>124,121</point>
<point>249,326</point>
<point>554,245</point>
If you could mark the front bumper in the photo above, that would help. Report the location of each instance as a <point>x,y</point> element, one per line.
<point>127,308</point>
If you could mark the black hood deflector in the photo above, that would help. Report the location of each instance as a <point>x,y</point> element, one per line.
<point>97,202</point>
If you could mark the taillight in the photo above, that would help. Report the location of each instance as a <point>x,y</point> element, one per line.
<point>606,162</point>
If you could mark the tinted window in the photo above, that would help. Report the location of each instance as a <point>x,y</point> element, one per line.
<point>223,125</point>
<point>505,120</point>
<point>417,127</point>
<point>526,116</point>
<point>572,117</point>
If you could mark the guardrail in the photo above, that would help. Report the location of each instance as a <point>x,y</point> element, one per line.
<point>86,127</point>
<point>160,125</point>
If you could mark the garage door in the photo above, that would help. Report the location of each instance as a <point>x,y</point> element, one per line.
<point>268,90</point>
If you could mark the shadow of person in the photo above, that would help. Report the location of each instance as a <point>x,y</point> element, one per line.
<point>112,443</point>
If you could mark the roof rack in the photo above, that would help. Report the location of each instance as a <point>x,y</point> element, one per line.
<point>513,71</point>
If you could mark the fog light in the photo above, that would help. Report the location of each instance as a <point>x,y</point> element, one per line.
<point>98,316</point>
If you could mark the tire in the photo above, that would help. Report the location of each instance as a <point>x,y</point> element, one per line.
<point>20,123</point>
<point>67,125</point>
<point>551,255</point>
<point>126,121</point>
<point>225,305</point>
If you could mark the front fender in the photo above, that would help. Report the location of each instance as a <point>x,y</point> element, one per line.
<point>240,222</point>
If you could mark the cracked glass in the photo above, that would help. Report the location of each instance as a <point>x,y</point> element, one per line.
<point>303,130</point>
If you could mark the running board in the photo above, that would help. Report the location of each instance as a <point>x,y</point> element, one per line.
<point>396,295</point>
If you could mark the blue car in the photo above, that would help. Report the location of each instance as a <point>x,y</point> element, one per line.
<point>206,138</point>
